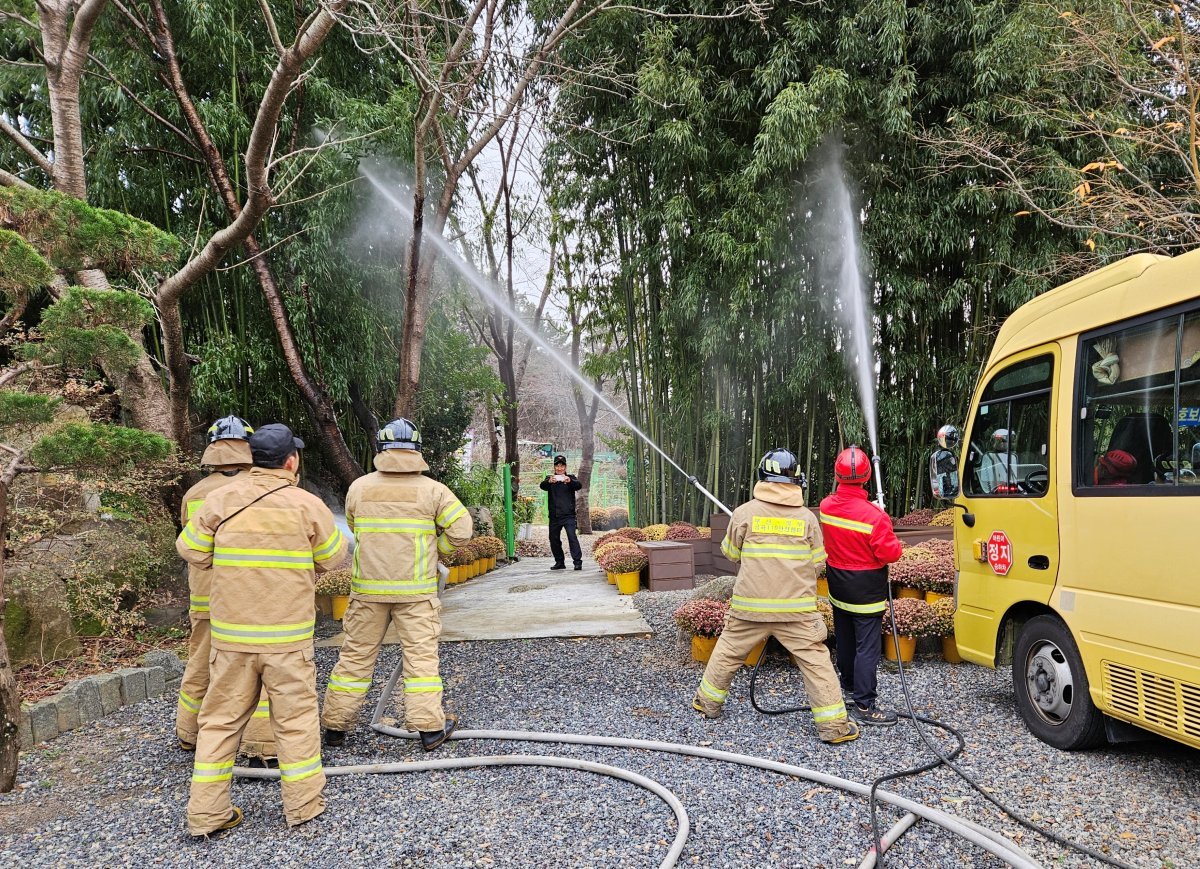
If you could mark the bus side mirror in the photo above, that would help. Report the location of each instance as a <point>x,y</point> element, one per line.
<point>943,475</point>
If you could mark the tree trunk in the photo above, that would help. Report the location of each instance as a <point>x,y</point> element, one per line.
<point>10,701</point>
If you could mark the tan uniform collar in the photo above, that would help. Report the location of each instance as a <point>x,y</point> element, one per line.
<point>785,494</point>
<point>275,474</point>
<point>227,452</point>
<point>400,462</point>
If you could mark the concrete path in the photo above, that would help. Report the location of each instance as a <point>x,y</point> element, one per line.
<point>527,599</point>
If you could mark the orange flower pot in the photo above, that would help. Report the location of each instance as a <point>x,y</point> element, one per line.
<point>905,591</point>
<point>932,596</point>
<point>756,653</point>
<point>908,648</point>
<point>950,650</point>
<point>702,647</point>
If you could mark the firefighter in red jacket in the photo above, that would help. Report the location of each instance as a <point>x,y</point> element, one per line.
<point>860,544</point>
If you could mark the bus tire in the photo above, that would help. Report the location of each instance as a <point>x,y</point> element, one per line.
<point>1051,687</point>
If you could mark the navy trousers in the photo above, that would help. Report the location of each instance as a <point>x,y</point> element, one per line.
<point>556,549</point>
<point>859,644</point>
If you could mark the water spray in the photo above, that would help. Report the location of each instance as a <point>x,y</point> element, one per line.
<point>485,288</point>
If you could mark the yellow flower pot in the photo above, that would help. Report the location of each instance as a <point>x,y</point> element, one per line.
<point>611,577</point>
<point>822,587</point>
<point>908,648</point>
<point>491,563</point>
<point>472,570</point>
<point>702,647</point>
<point>950,650</point>
<point>933,596</point>
<point>455,575</point>
<point>905,591</point>
<point>340,602</point>
<point>755,654</point>
<point>629,583</point>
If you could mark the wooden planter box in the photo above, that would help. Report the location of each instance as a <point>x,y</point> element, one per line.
<point>914,534</point>
<point>701,555</point>
<point>671,566</point>
<point>721,566</point>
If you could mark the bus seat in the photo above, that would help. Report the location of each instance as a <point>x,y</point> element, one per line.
<point>1143,436</point>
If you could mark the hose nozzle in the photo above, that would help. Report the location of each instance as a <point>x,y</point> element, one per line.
<point>878,482</point>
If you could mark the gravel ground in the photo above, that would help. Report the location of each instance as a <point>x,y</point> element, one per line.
<point>113,794</point>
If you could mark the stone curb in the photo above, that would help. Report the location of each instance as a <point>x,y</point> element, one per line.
<point>94,697</point>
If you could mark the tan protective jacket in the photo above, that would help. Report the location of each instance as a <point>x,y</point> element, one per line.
<point>265,539</point>
<point>778,542</point>
<point>396,514</point>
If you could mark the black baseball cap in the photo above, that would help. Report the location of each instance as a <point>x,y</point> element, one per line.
<point>271,445</point>
<point>560,460</point>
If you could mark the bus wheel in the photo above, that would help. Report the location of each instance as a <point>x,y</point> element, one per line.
<point>1052,688</point>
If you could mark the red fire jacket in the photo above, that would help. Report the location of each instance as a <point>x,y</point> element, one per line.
<point>858,535</point>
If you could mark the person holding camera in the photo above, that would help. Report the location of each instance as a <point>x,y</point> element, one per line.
<point>560,488</point>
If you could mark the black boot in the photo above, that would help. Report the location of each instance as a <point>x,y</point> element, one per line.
<point>335,738</point>
<point>579,565</point>
<point>431,739</point>
<point>558,567</point>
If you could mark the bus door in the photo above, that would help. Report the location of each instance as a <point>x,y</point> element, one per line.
<point>1011,553</point>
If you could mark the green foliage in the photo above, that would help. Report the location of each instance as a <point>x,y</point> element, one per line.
<point>99,447</point>
<point>87,326</point>
<point>479,487</point>
<point>23,409</point>
<point>73,235</point>
<point>22,269</point>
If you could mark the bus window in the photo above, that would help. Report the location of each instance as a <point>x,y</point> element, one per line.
<point>1009,449</point>
<point>1187,417</point>
<point>1140,406</point>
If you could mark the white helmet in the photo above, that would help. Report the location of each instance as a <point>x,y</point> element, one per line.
<point>1000,440</point>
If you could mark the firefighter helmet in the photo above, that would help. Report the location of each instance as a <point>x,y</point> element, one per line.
<point>399,434</point>
<point>853,465</point>
<point>229,428</point>
<point>949,437</point>
<point>1000,439</point>
<point>780,466</point>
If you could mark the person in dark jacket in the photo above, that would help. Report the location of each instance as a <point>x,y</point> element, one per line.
<point>560,488</point>
<point>859,544</point>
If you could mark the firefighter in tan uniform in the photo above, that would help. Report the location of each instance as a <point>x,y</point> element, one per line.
<point>778,542</point>
<point>401,520</point>
<point>265,539</point>
<point>228,456</point>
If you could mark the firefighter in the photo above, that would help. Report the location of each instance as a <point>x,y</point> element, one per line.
<point>861,544</point>
<point>401,521</point>
<point>265,539</point>
<point>778,542</point>
<point>228,457</point>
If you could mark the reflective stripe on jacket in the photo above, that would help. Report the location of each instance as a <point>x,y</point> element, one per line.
<point>401,520</point>
<point>779,544</point>
<point>199,578</point>
<point>861,543</point>
<point>264,556</point>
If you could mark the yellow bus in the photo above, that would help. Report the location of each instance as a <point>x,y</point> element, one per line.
<point>1078,544</point>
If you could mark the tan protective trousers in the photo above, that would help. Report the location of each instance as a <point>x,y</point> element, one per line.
<point>290,680</point>
<point>418,625</point>
<point>805,640</point>
<point>258,740</point>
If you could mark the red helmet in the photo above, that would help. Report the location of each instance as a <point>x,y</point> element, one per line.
<point>853,465</point>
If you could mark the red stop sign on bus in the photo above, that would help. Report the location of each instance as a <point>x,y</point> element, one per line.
<point>999,553</point>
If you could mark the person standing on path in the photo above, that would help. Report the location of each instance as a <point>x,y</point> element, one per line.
<point>228,456</point>
<point>861,544</point>
<point>396,514</point>
<point>265,540</point>
<point>778,543</point>
<point>560,488</point>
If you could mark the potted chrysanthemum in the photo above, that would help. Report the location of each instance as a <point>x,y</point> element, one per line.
<point>336,586</point>
<point>702,619</point>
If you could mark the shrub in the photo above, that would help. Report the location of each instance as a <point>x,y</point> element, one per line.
<point>656,532</point>
<point>600,518</point>
<point>614,550</point>
<point>704,532</point>
<point>618,517</point>
<point>946,517</point>
<point>524,509</point>
<point>490,545</point>
<point>911,617</point>
<point>916,518</point>
<point>943,617</point>
<point>682,531</point>
<point>334,582</point>
<point>626,560</point>
<point>702,617</point>
<point>720,588</point>
<point>825,608</point>
<point>634,534</point>
<point>458,557</point>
